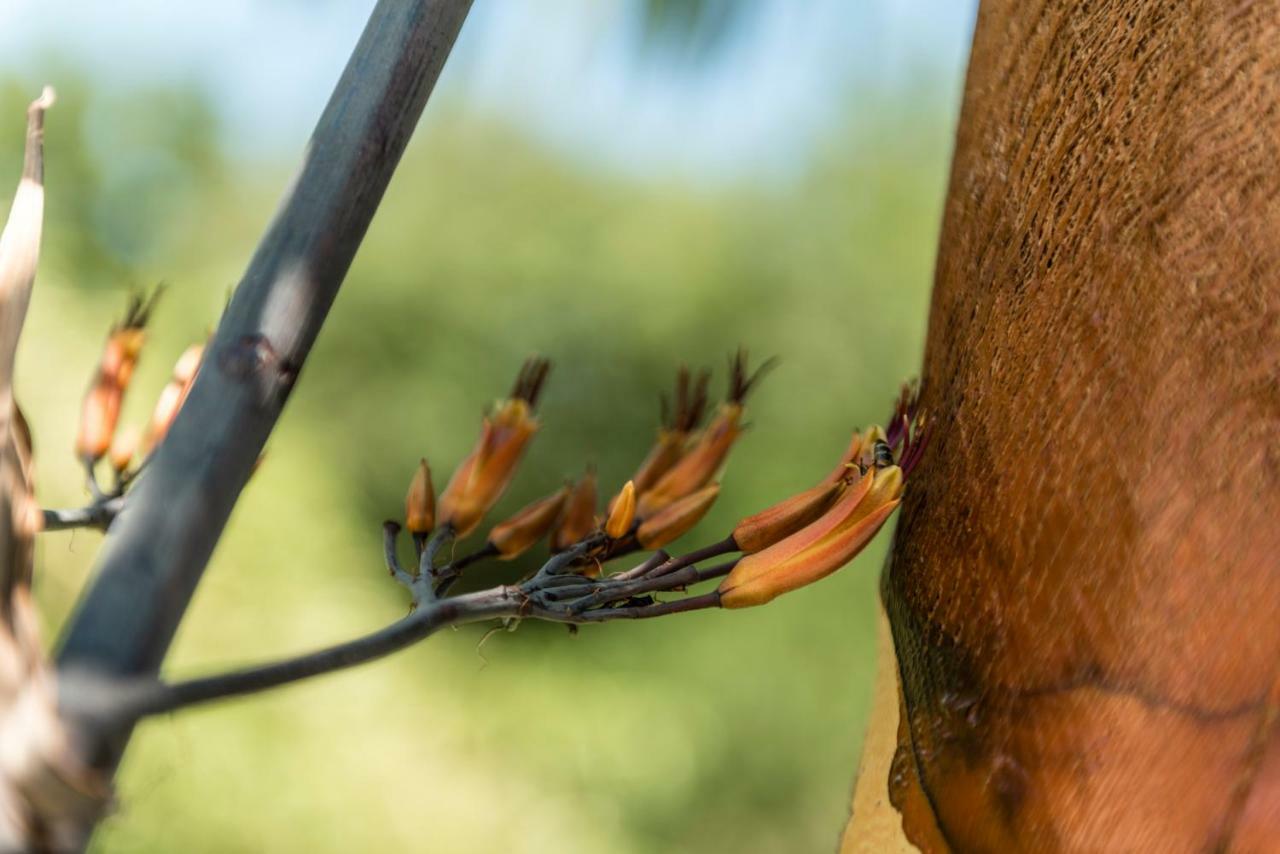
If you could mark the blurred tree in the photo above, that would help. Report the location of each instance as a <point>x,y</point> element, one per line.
<point>691,30</point>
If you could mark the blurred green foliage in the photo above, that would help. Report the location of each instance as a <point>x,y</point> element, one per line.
<point>706,732</point>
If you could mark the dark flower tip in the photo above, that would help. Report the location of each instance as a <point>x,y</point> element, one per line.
<point>741,380</point>
<point>138,311</point>
<point>532,377</point>
<point>690,402</point>
<point>905,410</point>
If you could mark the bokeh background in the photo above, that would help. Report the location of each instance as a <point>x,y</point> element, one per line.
<point>623,186</point>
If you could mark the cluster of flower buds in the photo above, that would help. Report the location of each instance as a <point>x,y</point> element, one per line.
<point>484,475</point>
<point>672,490</point>
<point>98,436</point>
<point>787,546</point>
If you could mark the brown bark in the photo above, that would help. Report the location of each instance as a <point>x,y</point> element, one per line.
<point>1085,588</point>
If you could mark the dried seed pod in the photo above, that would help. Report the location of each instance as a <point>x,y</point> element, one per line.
<point>528,525</point>
<point>818,549</point>
<point>674,520</point>
<point>786,517</point>
<point>579,520</point>
<point>484,475</point>
<point>420,501</point>
<point>622,512</point>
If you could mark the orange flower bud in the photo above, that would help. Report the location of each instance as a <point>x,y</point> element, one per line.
<point>679,419</point>
<point>786,517</point>
<point>484,475</point>
<point>98,416</point>
<point>530,524</point>
<point>420,501</point>
<point>101,409</point>
<point>579,519</point>
<point>664,454</point>
<point>702,463</point>
<point>818,549</point>
<point>172,396</point>
<point>677,518</point>
<point>622,512</point>
<point>123,448</point>
<point>699,466</point>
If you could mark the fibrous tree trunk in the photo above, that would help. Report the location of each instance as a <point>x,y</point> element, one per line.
<point>1085,586</point>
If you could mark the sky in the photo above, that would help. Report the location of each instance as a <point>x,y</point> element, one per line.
<point>567,71</point>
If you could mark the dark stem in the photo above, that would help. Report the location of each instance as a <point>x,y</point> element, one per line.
<point>452,571</point>
<point>724,547</point>
<point>97,515</point>
<point>156,553</point>
<point>124,705</point>
<point>390,537</point>
<point>635,612</point>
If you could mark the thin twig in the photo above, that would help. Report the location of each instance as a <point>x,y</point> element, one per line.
<point>633,612</point>
<point>655,560</point>
<point>390,536</point>
<point>610,592</point>
<point>99,514</point>
<point>122,704</point>
<point>127,703</point>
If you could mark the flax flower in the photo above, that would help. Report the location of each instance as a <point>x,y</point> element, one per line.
<point>531,523</point>
<point>484,475</point>
<point>101,409</point>
<point>704,460</point>
<point>821,547</point>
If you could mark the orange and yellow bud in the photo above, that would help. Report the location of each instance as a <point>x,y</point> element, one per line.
<point>674,520</point>
<point>818,549</point>
<point>786,517</point>
<point>172,396</point>
<point>681,415</point>
<point>622,512</point>
<point>664,454</point>
<point>518,534</point>
<point>123,448</point>
<point>699,466</point>
<point>101,409</point>
<point>420,501</point>
<point>485,473</point>
<point>579,520</point>
<point>98,416</point>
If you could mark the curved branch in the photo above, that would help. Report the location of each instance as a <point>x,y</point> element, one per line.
<point>112,705</point>
<point>121,705</point>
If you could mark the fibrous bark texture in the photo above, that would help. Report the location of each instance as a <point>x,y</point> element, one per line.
<point>1085,587</point>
